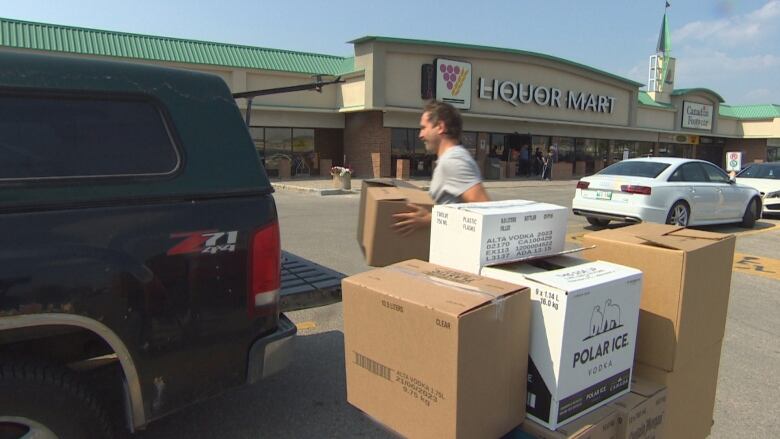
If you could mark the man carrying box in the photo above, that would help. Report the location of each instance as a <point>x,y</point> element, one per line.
<point>456,178</point>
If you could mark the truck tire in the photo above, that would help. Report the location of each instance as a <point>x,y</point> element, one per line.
<point>46,401</point>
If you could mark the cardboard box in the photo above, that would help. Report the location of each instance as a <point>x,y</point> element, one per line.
<point>690,397</point>
<point>687,280</point>
<point>469,236</point>
<point>434,352</point>
<point>640,414</point>
<point>599,424</point>
<point>381,244</point>
<point>583,331</point>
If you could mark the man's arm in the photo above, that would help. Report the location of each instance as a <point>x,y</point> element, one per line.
<point>475,193</point>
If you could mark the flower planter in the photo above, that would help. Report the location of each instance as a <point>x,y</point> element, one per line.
<point>346,182</point>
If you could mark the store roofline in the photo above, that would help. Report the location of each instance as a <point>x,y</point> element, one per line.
<point>493,49</point>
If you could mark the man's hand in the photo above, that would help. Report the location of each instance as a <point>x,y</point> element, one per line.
<point>407,222</point>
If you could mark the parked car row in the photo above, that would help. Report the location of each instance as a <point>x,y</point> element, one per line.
<point>679,191</point>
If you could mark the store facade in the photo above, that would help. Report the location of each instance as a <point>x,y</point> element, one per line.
<point>514,103</point>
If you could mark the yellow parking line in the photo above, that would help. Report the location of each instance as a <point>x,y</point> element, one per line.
<point>306,325</point>
<point>755,231</point>
<point>757,265</point>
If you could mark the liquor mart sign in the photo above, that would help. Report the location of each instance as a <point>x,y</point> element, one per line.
<point>453,82</point>
<point>697,116</point>
<point>518,93</point>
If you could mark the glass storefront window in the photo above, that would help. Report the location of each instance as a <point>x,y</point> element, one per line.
<point>675,150</point>
<point>773,154</point>
<point>623,149</point>
<point>469,141</point>
<point>496,145</point>
<point>278,144</point>
<point>303,151</point>
<point>258,137</point>
<point>565,148</point>
<point>645,149</point>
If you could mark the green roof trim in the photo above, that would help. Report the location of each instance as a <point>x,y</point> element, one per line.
<point>493,49</point>
<point>769,111</point>
<point>57,38</point>
<point>682,91</point>
<point>645,99</point>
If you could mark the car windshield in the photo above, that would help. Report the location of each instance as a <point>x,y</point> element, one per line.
<point>635,169</point>
<point>771,172</point>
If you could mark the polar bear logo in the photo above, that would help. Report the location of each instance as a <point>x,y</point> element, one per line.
<point>596,321</point>
<point>611,316</point>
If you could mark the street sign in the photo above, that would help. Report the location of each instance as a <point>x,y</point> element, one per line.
<point>733,161</point>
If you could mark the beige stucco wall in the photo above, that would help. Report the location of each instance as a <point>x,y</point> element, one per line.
<point>763,128</point>
<point>655,119</point>
<point>402,66</point>
<point>279,117</point>
<point>352,94</point>
<point>729,127</point>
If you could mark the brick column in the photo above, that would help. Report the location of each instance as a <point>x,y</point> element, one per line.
<point>364,134</point>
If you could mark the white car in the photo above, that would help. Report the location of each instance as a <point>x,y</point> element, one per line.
<point>766,178</point>
<point>677,191</point>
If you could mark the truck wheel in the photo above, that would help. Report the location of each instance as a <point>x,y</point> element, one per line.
<point>598,222</point>
<point>47,402</point>
<point>752,212</point>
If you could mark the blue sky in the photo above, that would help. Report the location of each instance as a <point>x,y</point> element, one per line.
<point>730,46</point>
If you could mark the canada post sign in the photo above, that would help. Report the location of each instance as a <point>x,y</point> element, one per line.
<point>697,116</point>
<point>517,93</point>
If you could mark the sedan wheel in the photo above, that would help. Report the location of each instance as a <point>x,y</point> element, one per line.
<point>679,214</point>
<point>751,214</point>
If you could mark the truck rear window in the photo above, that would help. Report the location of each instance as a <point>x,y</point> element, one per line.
<point>67,137</point>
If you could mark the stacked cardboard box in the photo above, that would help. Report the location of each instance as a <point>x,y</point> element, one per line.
<point>683,313</point>
<point>640,414</point>
<point>599,424</point>
<point>435,352</point>
<point>469,236</point>
<point>380,243</point>
<point>583,332</point>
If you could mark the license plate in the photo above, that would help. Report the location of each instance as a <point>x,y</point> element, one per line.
<point>603,195</point>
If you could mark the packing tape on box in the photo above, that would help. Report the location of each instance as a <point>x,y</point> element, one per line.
<point>450,278</point>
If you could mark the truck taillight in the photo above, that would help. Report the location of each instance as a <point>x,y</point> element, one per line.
<point>265,265</point>
<point>582,184</point>
<point>632,189</point>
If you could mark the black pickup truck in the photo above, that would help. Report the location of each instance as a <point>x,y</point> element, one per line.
<point>140,250</point>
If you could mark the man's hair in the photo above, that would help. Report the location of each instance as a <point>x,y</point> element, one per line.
<point>447,114</point>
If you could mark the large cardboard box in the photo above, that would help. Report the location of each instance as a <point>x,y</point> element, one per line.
<point>690,398</point>
<point>583,331</point>
<point>469,236</point>
<point>381,244</point>
<point>434,352</point>
<point>640,414</point>
<point>599,424</point>
<point>687,280</point>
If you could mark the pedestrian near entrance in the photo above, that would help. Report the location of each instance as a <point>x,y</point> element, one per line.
<point>547,163</point>
<point>456,178</point>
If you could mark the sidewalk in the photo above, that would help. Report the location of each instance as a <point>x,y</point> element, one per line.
<point>324,186</point>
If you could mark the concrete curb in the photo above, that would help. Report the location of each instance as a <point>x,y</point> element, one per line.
<point>312,190</point>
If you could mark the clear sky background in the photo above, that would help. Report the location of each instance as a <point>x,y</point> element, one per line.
<point>729,46</point>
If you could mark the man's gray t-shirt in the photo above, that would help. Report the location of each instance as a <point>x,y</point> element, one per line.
<point>455,173</point>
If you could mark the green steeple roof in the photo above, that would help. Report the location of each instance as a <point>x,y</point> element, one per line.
<point>664,40</point>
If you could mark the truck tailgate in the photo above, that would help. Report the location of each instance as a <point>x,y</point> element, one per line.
<point>306,284</point>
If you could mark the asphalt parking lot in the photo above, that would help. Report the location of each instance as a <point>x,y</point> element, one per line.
<point>309,398</point>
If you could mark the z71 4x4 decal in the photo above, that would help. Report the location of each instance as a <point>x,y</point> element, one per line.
<point>204,241</point>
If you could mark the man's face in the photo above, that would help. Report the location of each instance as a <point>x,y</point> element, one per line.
<point>430,134</point>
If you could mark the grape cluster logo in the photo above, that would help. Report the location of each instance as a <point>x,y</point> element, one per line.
<point>454,77</point>
<point>453,82</point>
